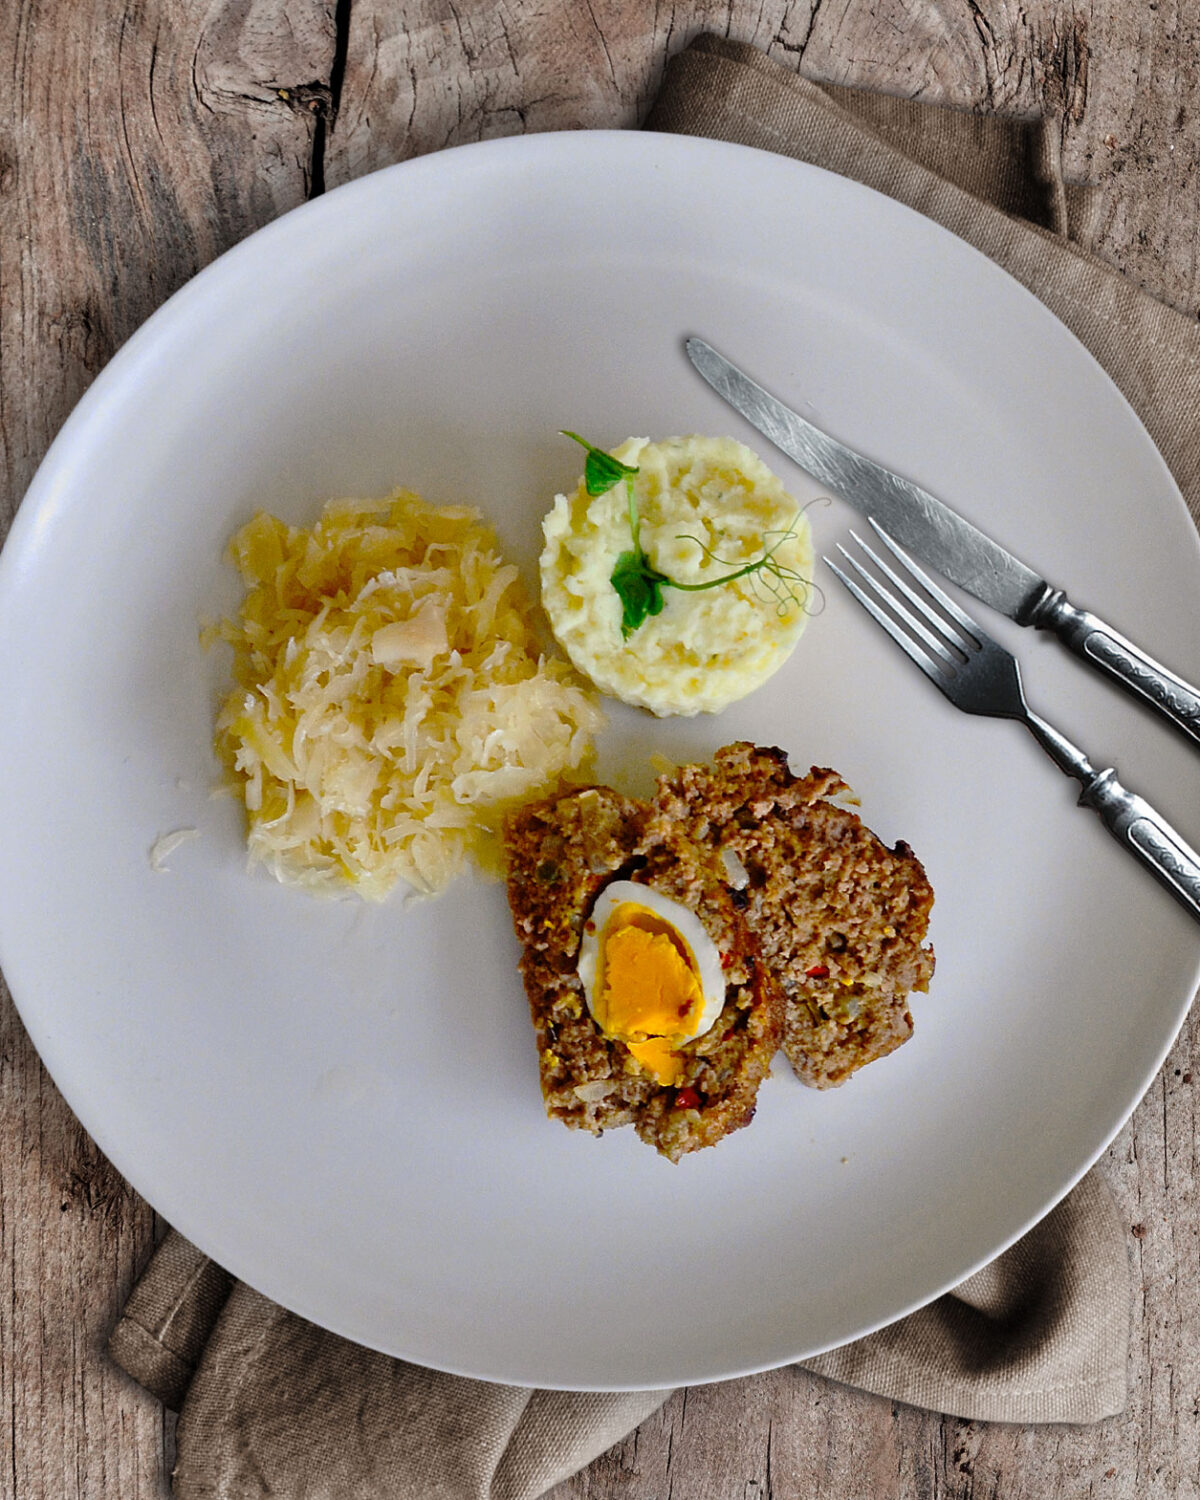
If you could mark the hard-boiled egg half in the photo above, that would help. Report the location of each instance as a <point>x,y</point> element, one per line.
<point>651,974</point>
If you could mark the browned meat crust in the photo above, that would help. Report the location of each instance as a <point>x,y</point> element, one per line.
<point>559,854</point>
<point>822,940</point>
<point>839,918</point>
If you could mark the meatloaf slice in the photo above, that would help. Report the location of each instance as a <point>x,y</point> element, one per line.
<point>560,853</point>
<point>838,917</point>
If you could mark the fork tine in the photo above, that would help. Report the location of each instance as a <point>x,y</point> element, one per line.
<point>927,583</point>
<point>924,622</point>
<point>906,643</point>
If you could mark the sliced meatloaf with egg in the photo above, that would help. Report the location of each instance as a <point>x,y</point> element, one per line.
<point>838,917</point>
<point>559,854</point>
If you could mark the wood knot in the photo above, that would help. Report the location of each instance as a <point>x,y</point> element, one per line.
<point>315,99</point>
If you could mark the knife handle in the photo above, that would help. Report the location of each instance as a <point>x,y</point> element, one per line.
<point>1135,824</point>
<point>1100,644</point>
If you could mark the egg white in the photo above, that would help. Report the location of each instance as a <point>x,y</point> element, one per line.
<point>687,926</point>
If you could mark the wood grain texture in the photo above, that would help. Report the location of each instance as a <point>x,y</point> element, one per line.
<point>140,138</point>
<point>136,143</point>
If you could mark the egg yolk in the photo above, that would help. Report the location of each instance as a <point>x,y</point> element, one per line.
<point>649,994</point>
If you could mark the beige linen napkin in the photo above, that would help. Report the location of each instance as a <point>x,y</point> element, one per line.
<point>270,1404</point>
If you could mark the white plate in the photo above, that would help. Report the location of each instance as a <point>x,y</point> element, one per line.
<point>340,1103</point>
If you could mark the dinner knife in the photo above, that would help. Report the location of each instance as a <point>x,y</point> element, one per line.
<point>961,552</point>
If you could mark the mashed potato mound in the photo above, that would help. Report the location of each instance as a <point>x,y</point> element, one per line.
<point>390,704</point>
<point>707,507</point>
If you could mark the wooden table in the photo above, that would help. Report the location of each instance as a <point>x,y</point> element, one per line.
<point>139,139</point>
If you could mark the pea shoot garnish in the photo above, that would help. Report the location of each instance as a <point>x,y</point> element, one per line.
<point>639,584</point>
<point>601,470</point>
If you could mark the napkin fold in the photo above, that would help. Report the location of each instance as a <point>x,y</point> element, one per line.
<point>271,1404</point>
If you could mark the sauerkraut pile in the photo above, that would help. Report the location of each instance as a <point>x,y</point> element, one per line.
<point>390,703</point>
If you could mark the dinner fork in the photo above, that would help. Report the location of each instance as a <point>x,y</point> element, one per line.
<point>979,676</point>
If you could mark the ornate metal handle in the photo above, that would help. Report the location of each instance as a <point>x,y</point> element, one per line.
<point>1121,660</point>
<point>1133,822</point>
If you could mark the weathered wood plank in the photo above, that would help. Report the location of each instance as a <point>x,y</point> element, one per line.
<point>138,140</point>
<point>136,143</point>
<point>427,75</point>
<point>1141,138</point>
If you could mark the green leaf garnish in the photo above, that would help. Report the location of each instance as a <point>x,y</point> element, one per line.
<point>639,584</point>
<point>639,587</point>
<point>601,470</point>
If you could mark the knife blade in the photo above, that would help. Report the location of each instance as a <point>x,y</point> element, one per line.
<point>947,541</point>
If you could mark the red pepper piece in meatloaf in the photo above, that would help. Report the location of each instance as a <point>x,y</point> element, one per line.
<point>560,853</point>
<point>839,918</point>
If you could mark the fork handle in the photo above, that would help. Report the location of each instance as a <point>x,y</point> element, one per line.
<point>1088,636</point>
<point>1133,822</point>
